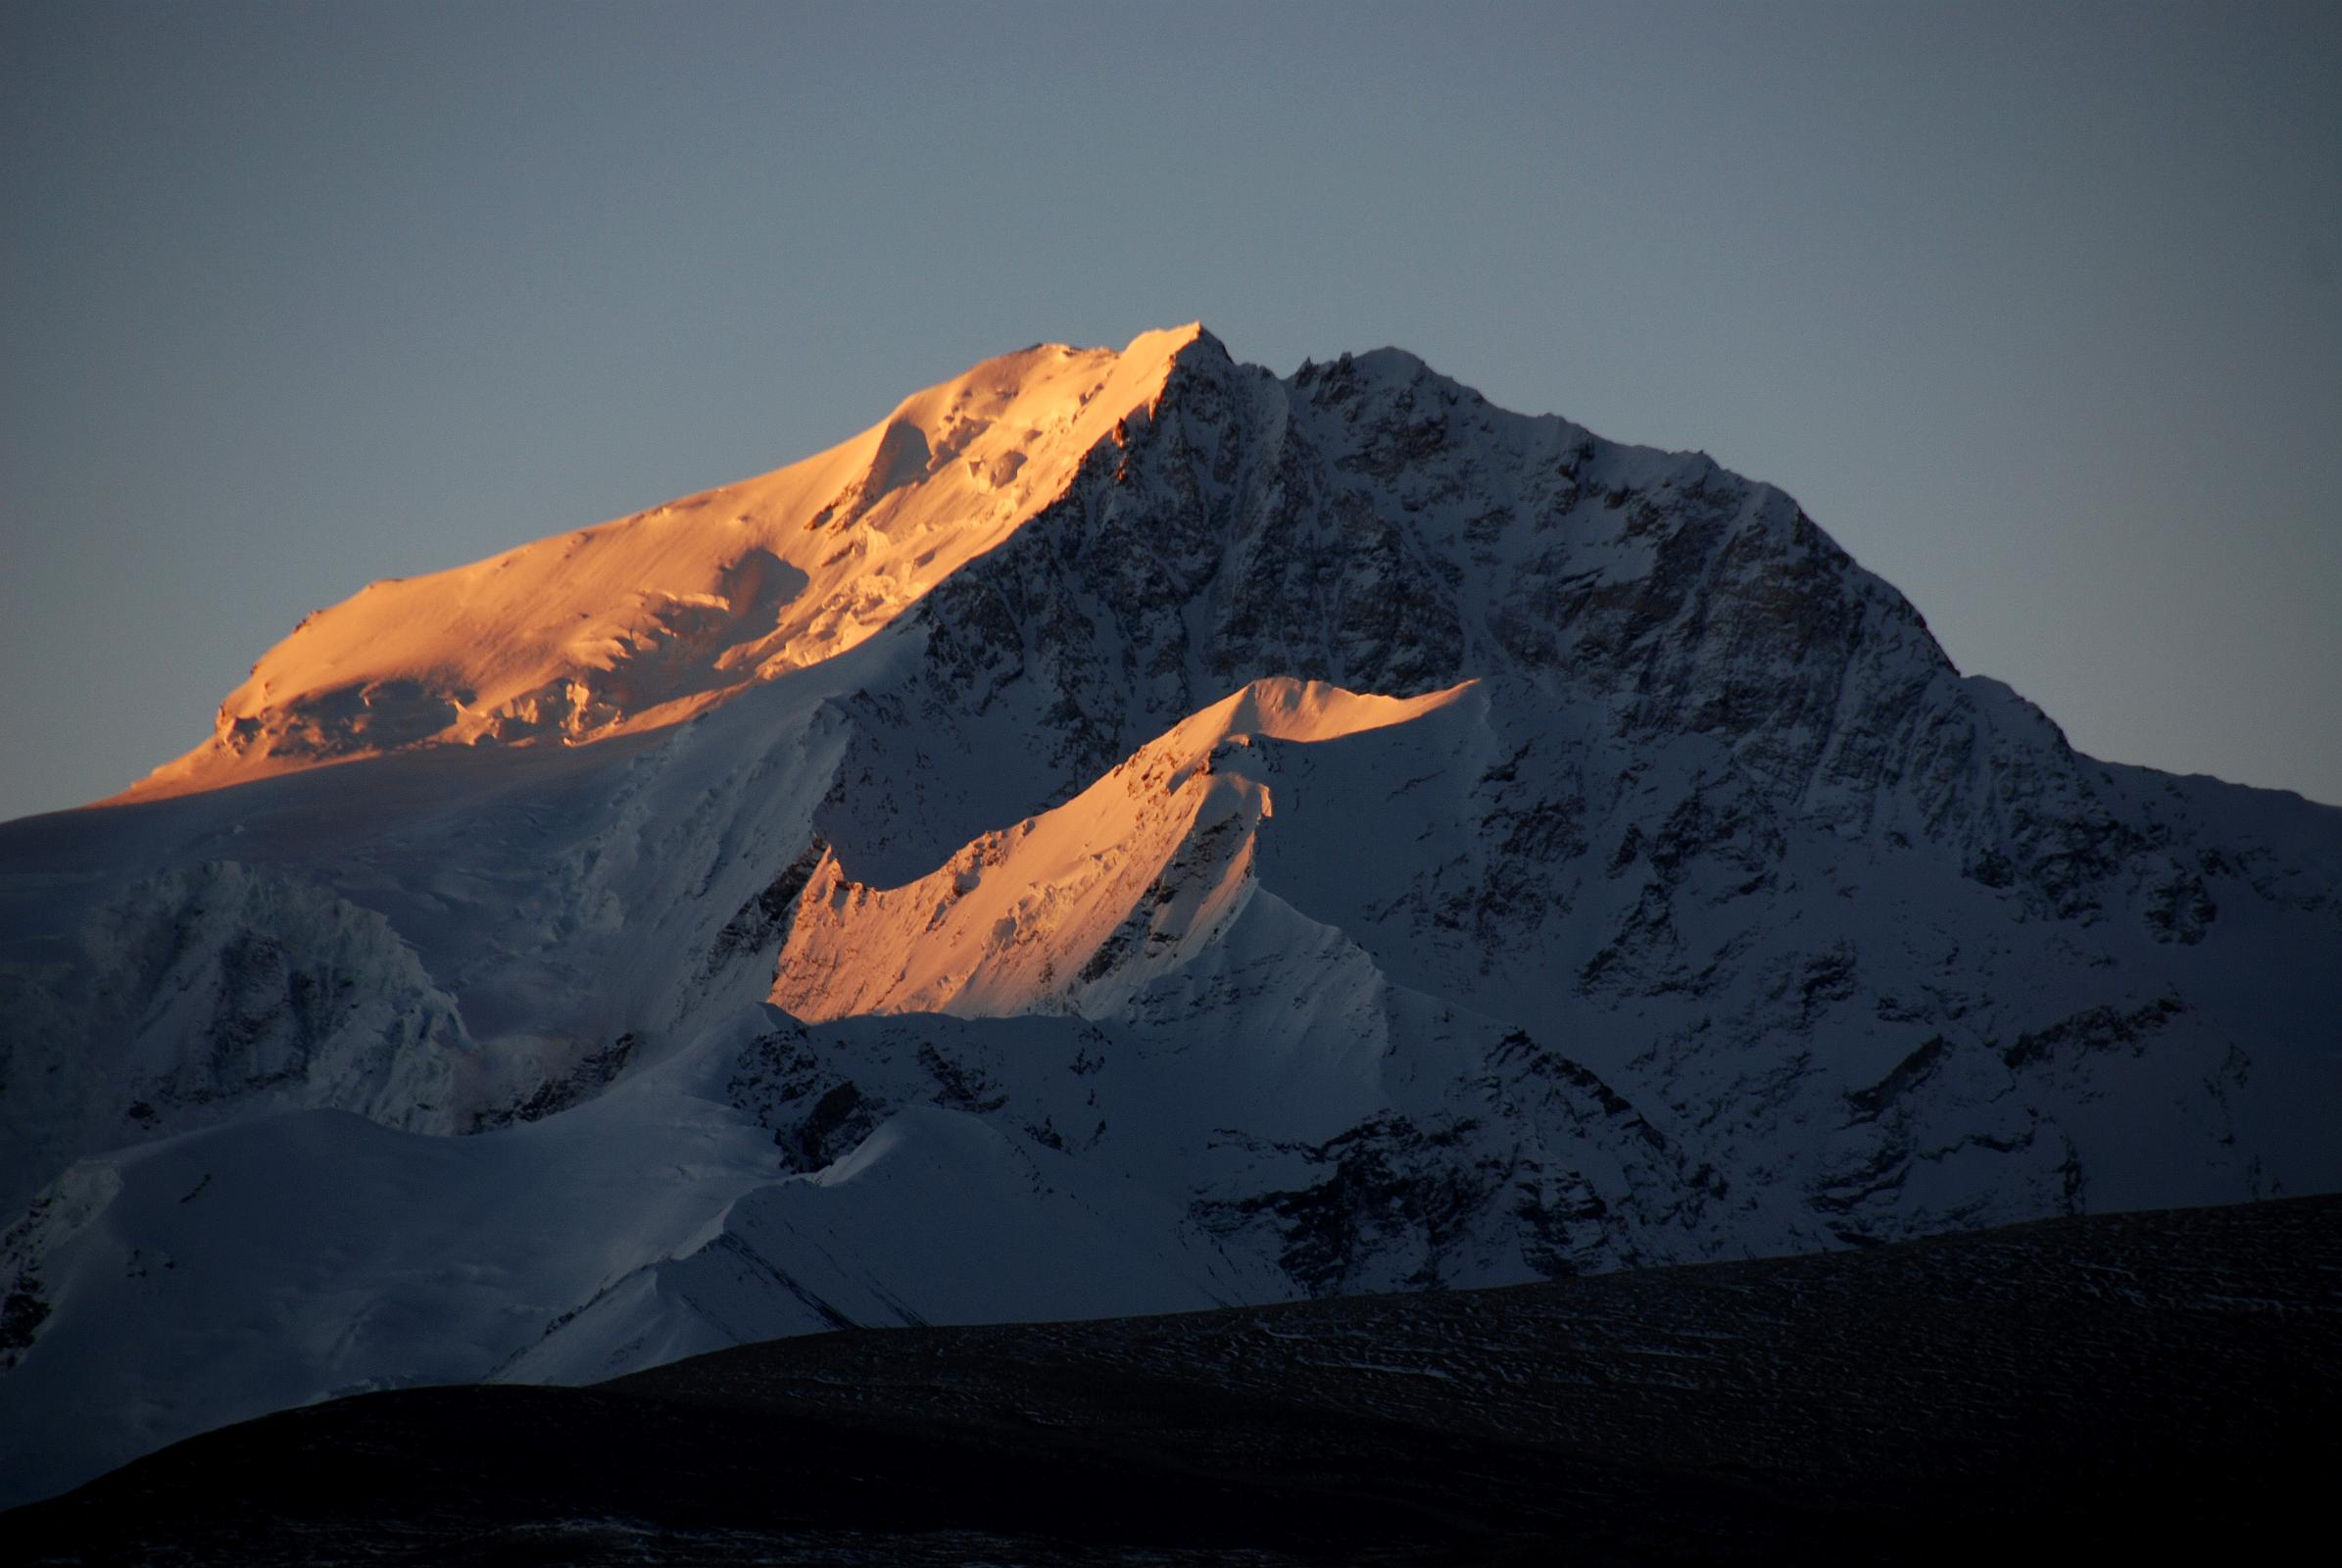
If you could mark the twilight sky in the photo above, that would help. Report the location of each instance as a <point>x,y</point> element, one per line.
<point>2036,309</point>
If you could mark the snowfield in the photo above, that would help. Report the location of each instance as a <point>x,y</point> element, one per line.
<point>1127,833</point>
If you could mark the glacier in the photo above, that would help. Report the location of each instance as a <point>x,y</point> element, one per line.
<point>1129,832</point>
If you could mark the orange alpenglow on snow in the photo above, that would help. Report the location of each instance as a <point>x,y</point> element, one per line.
<point>1069,911</point>
<point>652,618</point>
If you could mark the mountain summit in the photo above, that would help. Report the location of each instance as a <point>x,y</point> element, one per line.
<point>1127,833</point>
<point>649,620</point>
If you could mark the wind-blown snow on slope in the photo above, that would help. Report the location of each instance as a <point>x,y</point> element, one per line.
<point>1369,840</point>
<point>650,618</point>
<point>1067,911</point>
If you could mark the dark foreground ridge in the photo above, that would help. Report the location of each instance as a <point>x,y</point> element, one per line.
<point>2148,1381</point>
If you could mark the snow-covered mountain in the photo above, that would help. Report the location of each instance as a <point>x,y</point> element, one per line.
<point>1127,832</point>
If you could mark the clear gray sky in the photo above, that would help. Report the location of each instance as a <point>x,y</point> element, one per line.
<point>2037,309</point>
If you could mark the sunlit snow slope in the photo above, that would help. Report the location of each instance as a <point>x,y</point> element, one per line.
<point>1130,831</point>
<point>1067,911</point>
<point>650,618</point>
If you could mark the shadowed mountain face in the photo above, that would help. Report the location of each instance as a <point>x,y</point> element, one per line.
<point>2158,1382</point>
<point>1129,833</point>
